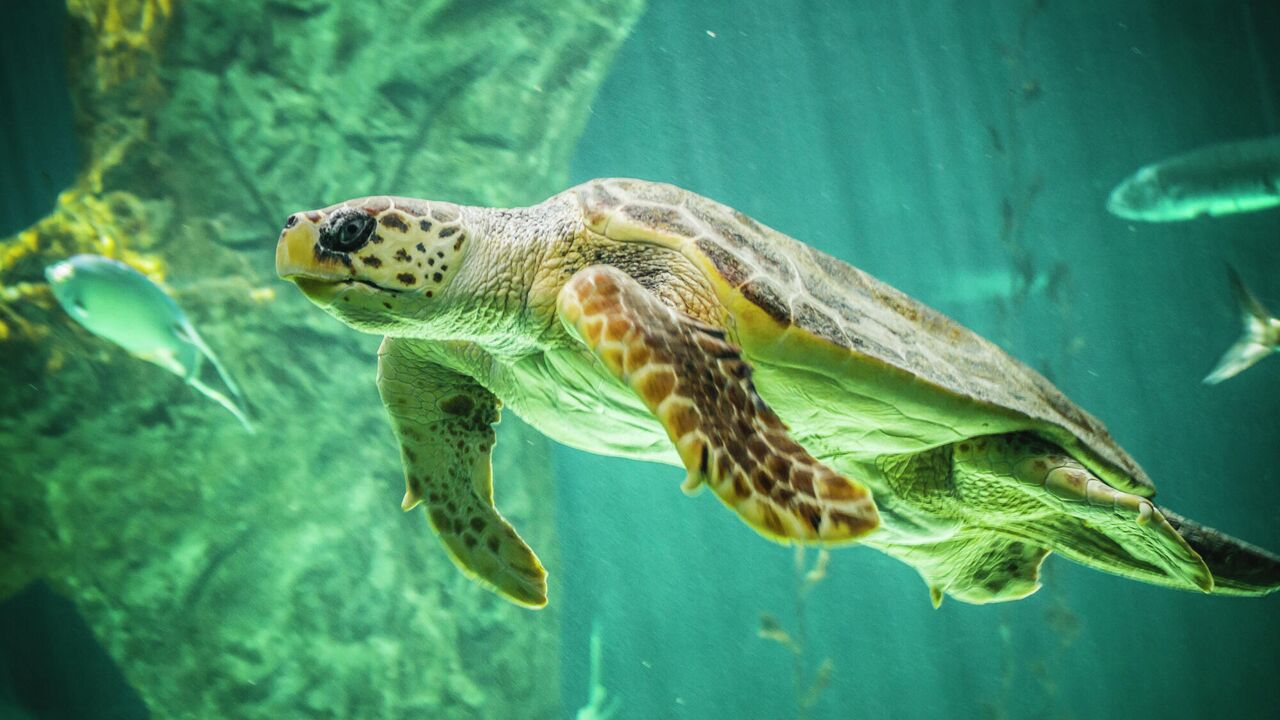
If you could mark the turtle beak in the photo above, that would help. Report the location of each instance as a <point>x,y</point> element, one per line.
<point>297,261</point>
<point>296,251</point>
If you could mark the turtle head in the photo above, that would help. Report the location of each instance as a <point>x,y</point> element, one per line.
<point>379,264</point>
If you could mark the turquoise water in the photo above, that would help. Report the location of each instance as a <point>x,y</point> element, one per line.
<point>864,131</point>
<point>956,150</point>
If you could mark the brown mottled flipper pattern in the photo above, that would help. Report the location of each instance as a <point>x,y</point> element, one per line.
<point>698,386</point>
<point>444,421</point>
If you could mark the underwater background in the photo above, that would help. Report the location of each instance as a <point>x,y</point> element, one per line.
<point>159,561</point>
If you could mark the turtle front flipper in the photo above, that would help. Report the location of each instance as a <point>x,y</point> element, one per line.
<point>444,421</point>
<point>699,387</point>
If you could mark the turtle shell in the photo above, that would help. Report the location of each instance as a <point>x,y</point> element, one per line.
<point>800,313</point>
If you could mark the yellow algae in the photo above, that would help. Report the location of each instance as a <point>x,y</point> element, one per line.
<point>82,222</point>
<point>262,294</point>
<point>114,61</point>
<point>124,37</point>
<point>57,359</point>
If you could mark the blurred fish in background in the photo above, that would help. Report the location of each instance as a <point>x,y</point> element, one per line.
<point>600,705</point>
<point>120,304</point>
<point>1004,286</point>
<point>1220,179</point>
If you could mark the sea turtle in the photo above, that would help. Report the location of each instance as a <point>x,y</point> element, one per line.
<point>641,320</point>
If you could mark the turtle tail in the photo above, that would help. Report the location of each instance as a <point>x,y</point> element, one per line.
<point>1238,568</point>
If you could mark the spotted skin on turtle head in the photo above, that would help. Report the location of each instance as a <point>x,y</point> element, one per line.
<point>415,246</point>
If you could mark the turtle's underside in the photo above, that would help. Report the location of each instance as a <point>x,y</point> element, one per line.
<point>638,319</point>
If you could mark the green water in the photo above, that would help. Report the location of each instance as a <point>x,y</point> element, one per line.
<point>952,149</point>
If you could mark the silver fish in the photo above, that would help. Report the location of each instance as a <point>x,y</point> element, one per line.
<point>1261,336</point>
<point>1219,179</point>
<point>120,304</point>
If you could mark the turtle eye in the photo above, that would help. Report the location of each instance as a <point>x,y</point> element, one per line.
<point>347,232</point>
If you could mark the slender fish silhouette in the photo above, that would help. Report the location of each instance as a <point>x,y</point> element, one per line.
<point>1221,179</point>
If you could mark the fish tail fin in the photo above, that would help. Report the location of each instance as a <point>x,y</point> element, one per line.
<point>236,403</point>
<point>226,402</point>
<point>217,366</point>
<point>1256,341</point>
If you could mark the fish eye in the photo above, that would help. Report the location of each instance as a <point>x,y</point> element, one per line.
<point>293,220</point>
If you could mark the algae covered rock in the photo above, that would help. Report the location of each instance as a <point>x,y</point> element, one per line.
<point>273,575</point>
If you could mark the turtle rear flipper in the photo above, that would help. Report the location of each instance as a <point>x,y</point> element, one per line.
<point>1238,568</point>
<point>1060,487</point>
<point>444,421</point>
<point>978,566</point>
<point>700,389</point>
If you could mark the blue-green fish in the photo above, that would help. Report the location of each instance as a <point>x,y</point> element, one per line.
<point>116,302</point>
<point>1261,336</point>
<point>1219,179</point>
